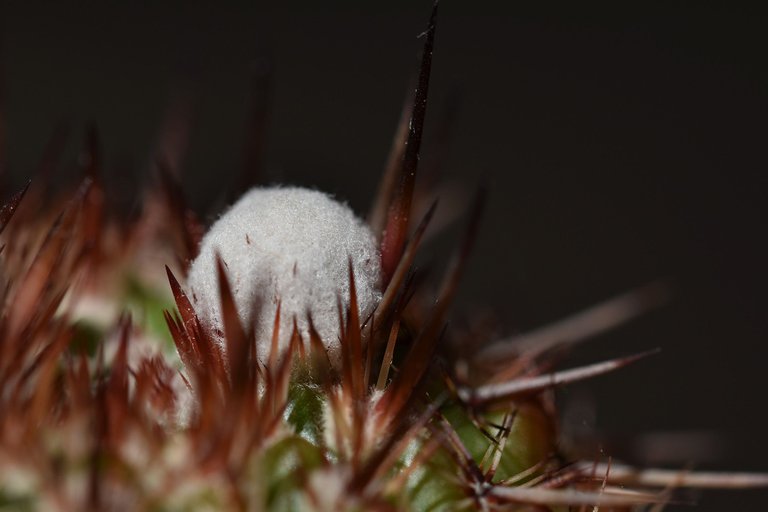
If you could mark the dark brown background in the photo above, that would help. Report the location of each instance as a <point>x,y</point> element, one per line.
<point>619,146</point>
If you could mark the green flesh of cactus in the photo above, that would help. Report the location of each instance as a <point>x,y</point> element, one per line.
<point>432,487</point>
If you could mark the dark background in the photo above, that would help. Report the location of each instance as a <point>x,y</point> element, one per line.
<point>619,146</point>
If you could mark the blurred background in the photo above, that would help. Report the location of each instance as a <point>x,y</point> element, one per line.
<point>619,146</point>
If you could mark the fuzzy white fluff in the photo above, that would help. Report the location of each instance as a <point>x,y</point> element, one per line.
<point>291,244</point>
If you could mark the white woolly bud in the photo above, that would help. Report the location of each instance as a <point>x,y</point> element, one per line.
<point>291,245</point>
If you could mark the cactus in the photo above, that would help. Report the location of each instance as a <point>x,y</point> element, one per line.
<point>120,390</point>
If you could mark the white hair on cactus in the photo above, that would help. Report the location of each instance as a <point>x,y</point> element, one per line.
<point>291,245</point>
